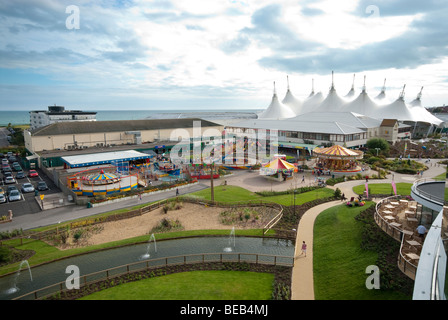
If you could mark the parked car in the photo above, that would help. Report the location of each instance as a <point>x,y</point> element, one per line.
<point>2,191</point>
<point>7,169</point>
<point>33,173</point>
<point>2,198</point>
<point>5,161</point>
<point>10,188</point>
<point>17,167</point>
<point>27,187</point>
<point>41,186</point>
<point>20,175</point>
<point>10,180</point>
<point>12,159</point>
<point>14,195</point>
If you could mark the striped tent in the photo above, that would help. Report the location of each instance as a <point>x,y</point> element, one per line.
<point>104,178</point>
<point>275,166</point>
<point>337,152</point>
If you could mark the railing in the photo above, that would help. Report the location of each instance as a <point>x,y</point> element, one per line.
<point>393,231</point>
<point>424,194</point>
<point>160,263</point>
<point>404,264</point>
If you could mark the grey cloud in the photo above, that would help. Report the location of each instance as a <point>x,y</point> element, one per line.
<point>424,43</point>
<point>269,30</point>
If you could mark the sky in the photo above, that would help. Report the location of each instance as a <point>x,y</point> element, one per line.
<point>216,54</point>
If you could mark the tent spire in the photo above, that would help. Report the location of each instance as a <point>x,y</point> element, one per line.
<point>402,93</point>
<point>353,83</point>
<point>364,86</point>
<point>275,91</point>
<point>419,96</point>
<point>384,86</point>
<point>287,81</point>
<point>332,80</point>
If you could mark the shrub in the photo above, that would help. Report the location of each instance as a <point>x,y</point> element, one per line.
<point>5,254</point>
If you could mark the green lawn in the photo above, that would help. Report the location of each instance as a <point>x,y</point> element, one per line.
<point>235,194</point>
<point>195,285</point>
<point>384,188</point>
<point>339,262</point>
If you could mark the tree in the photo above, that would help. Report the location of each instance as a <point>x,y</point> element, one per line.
<point>377,145</point>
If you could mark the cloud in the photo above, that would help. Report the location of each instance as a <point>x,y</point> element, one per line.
<point>148,50</point>
<point>423,43</point>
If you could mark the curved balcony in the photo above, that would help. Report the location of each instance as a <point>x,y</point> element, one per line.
<point>398,217</point>
<point>429,192</point>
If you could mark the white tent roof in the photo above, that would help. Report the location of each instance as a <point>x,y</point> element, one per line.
<point>312,102</point>
<point>397,110</point>
<point>422,113</point>
<point>376,108</point>
<point>352,93</point>
<point>276,110</point>
<point>332,102</point>
<point>292,102</point>
<point>363,104</point>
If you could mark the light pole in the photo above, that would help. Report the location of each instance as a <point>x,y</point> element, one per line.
<point>377,149</point>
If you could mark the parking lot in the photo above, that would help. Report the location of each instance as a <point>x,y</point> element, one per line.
<point>27,203</point>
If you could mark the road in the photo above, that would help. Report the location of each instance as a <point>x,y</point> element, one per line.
<point>67,213</point>
<point>3,137</point>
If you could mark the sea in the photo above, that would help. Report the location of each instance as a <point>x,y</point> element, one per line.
<point>23,117</point>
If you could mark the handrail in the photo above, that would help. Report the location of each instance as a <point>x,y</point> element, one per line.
<point>425,194</point>
<point>106,273</point>
<point>400,232</point>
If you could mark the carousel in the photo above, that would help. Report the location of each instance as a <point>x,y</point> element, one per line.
<point>90,183</point>
<point>338,160</point>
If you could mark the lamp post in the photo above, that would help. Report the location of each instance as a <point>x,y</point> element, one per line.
<point>377,149</point>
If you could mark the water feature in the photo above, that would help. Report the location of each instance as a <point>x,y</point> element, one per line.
<point>55,272</point>
<point>231,240</point>
<point>148,248</point>
<point>14,287</point>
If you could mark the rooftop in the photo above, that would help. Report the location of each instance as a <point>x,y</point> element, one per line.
<point>63,128</point>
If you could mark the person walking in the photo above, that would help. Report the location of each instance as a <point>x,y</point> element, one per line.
<point>303,248</point>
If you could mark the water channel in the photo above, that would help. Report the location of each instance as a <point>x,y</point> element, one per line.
<point>55,272</point>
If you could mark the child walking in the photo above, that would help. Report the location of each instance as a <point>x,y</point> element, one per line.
<point>303,248</point>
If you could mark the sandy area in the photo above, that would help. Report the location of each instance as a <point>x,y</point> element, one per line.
<point>191,217</point>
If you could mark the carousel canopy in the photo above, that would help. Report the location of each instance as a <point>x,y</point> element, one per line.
<point>338,152</point>
<point>275,166</point>
<point>102,176</point>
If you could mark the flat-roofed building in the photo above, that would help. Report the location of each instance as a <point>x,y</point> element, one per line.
<point>42,118</point>
<point>83,135</point>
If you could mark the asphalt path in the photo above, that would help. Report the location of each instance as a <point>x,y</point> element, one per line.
<point>3,137</point>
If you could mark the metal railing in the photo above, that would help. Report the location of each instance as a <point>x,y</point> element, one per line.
<point>404,264</point>
<point>415,188</point>
<point>147,265</point>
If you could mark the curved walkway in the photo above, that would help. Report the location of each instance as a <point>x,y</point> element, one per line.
<point>302,282</point>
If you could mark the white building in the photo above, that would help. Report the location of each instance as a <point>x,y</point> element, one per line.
<point>42,118</point>
<point>349,121</point>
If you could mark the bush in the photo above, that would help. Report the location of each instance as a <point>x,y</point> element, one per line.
<point>5,254</point>
<point>337,193</point>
